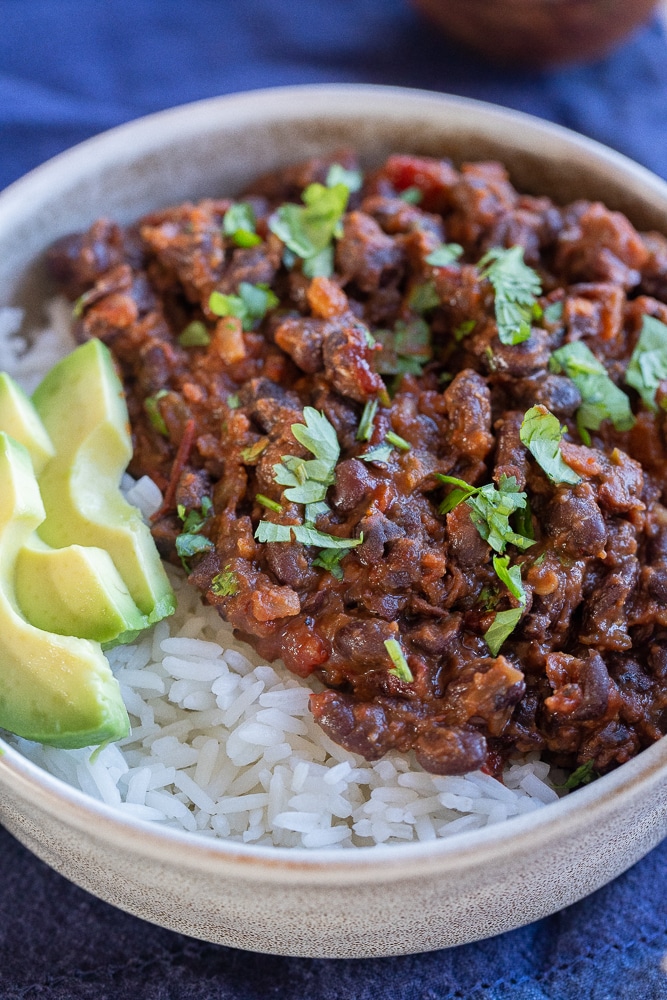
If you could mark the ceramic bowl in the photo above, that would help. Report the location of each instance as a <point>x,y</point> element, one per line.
<point>371,901</point>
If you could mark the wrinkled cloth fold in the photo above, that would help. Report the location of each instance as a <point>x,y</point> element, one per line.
<point>72,68</point>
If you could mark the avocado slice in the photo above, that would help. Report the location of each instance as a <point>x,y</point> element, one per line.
<point>53,689</point>
<point>19,419</point>
<point>82,407</point>
<point>75,590</point>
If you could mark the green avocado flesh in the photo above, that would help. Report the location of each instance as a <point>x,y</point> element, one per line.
<point>75,590</point>
<point>81,405</point>
<point>20,420</point>
<point>54,689</point>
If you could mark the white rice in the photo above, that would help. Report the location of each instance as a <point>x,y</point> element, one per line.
<point>224,745</point>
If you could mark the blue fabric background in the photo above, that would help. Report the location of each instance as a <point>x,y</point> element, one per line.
<point>71,68</point>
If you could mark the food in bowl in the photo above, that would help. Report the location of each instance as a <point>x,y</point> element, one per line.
<point>341,903</point>
<point>408,431</point>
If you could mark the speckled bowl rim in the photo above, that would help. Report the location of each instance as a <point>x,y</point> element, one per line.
<point>634,780</point>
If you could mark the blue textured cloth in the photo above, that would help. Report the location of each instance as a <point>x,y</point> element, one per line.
<point>71,68</point>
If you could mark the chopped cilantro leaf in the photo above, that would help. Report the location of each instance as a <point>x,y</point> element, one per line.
<point>233,401</point>
<point>225,584</point>
<point>463,329</point>
<point>315,510</point>
<point>329,559</point>
<point>412,195</point>
<point>308,481</point>
<point>365,429</point>
<point>318,435</point>
<point>446,253</point>
<point>381,453</point>
<point>553,312</point>
<point>190,542</point>
<point>306,534</point>
<point>397,441</point>
<point>250,454</point>
<point>307,230</point>
<point>541,433</point>
<point>510,576</point>
<point>490,509</point>
<point>648,364</point>
<point>153,412</point>
<point>582,775</point>
<point>462,492</point>
<point>239,223</point>
<point>501,628</point>
<point>397,657</point>
<point>424,297</point>
<point>352,179</point>
<point>268,532</point>
<point>250,305</point>
<point>405,349</point>
<point>516,288</point>
<point>523,521</point>
<point>268,502</point>
<point>195,334</point>
<point>190,545</point>
<point>309,535</point>
<point>602,399</point>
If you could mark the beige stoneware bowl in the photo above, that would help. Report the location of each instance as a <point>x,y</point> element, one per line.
<point>354,903</point>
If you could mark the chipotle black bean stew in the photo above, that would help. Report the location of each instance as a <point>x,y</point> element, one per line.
<point>410,430</point>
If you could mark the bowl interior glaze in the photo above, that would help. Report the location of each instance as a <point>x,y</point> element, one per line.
<point>370,901</point>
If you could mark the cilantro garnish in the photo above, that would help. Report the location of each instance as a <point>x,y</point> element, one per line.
<point>463,329</point>
<point>397,441</point>
<point>446,253</point>
<point>553,313</point>
<point>308,481</point>
<point>510,576</point>
<point>400,668</point>
<point>352,179</point>
<point>381,453</point>
<point>424,297</point>
<point>405,349</point>
<point>582,775</point>
<point>250,305</point>
<point>490,509</point>
<point>195,334</point>
<point>503,625</point>
<point>505,622</point>
<point>541,433</point>
<point>190,542</point>
<point>412,195</point>
<point>233,401</point>
<point>268,503</point>
<point>307,230</point>
<point>602,399</point>
<point>329,559</point>
<point>239,222</point>
<point>648,364</point>
<point>516,288</point>
<point>304,533</point>
<point>250,454</point>
<point>153,412</point>
<point>365,429</point>
<point>225,584</point>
